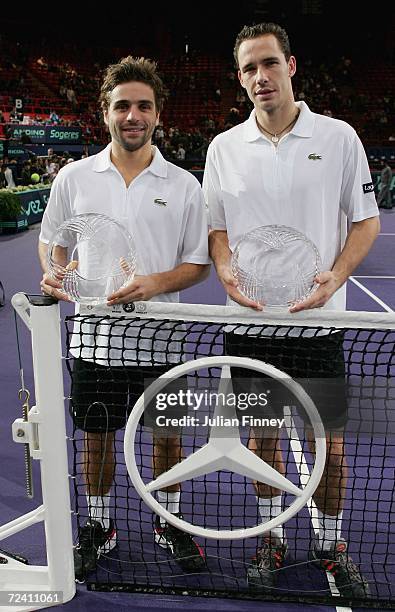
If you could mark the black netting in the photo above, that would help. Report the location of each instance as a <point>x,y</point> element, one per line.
<point>347,373</point>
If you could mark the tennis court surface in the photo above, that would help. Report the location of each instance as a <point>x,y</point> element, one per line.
<point>226,500</point>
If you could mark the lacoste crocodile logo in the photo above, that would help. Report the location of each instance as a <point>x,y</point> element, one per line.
<point>314,156</point>
<point>160,202</point>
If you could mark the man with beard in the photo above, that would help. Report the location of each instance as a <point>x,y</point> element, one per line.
<point>162,207</point>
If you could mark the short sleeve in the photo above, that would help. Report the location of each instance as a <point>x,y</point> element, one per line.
<point>195,238</point>
<point>212,192</point>
<point>357,198</point>
<point>57,210</point>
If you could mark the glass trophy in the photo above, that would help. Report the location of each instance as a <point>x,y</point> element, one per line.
<point>92,255</point>
<point>276,265</point>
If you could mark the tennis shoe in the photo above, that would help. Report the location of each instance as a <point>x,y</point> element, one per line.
<point>94,541</point>
<point>337,561</point>
<point>263,571</point>
<point>181,545</point>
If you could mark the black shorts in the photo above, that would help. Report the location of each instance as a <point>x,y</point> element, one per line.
<point>102,397</point>
<point>316,363</point>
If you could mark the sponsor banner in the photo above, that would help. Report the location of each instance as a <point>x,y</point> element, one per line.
<point>63,135</point>
<point>34,203</point>
<point>16,151</point>
<point>51,134</point>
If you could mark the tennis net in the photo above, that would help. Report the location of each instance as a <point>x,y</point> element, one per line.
<point>342,363</point>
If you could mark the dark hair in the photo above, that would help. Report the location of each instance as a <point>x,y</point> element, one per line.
<point>132,69</point>
<point>261,29</point>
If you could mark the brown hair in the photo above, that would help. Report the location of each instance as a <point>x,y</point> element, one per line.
<point>133,69</point>
<point>261,29</point>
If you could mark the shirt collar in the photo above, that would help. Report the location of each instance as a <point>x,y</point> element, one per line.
<point>158,165</point>
<point>303,127</point>
<point>102,160</point>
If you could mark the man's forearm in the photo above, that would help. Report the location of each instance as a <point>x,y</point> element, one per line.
<point>42,255</point>
<point>59,255</point>
<point>219,249</point>
<point>221,255</point>
<point>359,241</point>
<point>183,276</point>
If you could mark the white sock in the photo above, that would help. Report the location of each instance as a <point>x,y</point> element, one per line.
<point>170,502</point>
<point>269,508</point>
<point>99,509</point>
<point>330,528</point>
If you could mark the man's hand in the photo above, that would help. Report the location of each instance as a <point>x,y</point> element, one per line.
<point>142,288</point>
<point>230,285</point>
<point>50,286</point>
<point>221,256</point>
<point>327,283</point>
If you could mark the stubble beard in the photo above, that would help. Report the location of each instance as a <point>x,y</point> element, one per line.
<point>133,146</point>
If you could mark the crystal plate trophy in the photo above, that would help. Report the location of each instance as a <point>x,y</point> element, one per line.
<point>92,255</point>
<point>276,265</point>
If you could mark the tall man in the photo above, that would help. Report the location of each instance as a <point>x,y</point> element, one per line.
<point>287,165</point>
<point>162,207</point>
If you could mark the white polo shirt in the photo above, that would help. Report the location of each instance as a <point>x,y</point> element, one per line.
<point>168,232</point>
<point>315,180</point>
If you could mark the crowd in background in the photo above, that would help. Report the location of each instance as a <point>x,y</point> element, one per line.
<point>37,169</point>
<point>329,87</point>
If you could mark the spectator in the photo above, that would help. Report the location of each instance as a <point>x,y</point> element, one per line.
<point>54,118</point>
<point>9,177</point>
<point>233,117</point>
<point>41,62</point>
<point>180,154</point>
<point>384,199</point>
<point>15,117</point>
<point>3,180</point>
<point>52,168</point>
<point>26,173</point>
<point>71,97</point>
<point>25,139</point>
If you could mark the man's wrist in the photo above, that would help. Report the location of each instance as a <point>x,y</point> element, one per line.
<point>158,281</point>
<point>339,277</point>
<point>223,268</point>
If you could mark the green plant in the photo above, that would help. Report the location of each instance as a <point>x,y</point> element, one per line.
<point>10,205</point>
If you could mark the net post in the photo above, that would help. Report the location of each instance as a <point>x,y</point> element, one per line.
<point>48,378</point>
<point>42,317</point>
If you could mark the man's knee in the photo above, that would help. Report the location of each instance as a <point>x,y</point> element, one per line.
<point>170,441</point>
<point>99,442</point>
<point>168,448</point>
<point>336,458</point>
<point>264,439</point>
